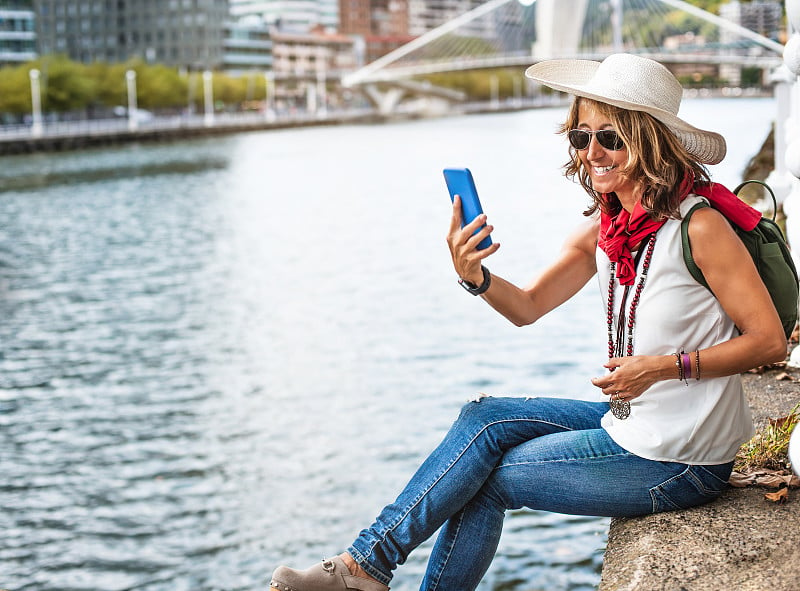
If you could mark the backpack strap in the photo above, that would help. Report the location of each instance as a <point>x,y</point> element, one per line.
<point>767,187</point>
<point>694,270</point>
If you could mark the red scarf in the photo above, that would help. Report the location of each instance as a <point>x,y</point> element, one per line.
<point>621,233</point>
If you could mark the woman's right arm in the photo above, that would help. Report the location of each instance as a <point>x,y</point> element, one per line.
<point>572,269</point>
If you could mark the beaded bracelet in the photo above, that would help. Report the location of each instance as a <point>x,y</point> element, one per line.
<point>697,365</point>
<point>679,365</point>
<point>683,361</point>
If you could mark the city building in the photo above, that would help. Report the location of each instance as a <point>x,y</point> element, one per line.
<point>248,46</point>
<point>504,28</point>
<point>184,33</point>
<point>306,65</point>
<point>381,25</point>
<point>424,15</point>
<point>17,31</point>
<point>373,17</point>
<point>763,17</point>
<point>312,55</point>
<point>291,16</point>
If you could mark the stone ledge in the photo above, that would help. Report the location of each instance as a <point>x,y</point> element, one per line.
<point>740,541</point>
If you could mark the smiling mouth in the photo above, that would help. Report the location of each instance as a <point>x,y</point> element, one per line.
<point>601,170</point>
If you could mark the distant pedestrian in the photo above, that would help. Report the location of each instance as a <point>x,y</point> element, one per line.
<point>675,416</point>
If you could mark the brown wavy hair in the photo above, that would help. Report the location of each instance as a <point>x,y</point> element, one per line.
<point>656,159</point>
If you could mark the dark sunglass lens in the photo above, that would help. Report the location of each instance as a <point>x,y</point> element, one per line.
<point>579,138</point>
<point>609,139</point>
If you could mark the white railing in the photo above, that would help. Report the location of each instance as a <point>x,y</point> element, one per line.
<point>120,126</point>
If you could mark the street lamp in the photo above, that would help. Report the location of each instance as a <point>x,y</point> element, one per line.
<point>36,103</point>
<point>322,91</point>
<point>494,91</point>
<point>269,96</point>
<point>208,94</point>
<point>133,107</point>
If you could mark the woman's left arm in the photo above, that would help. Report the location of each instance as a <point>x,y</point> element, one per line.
<point>732,276</point>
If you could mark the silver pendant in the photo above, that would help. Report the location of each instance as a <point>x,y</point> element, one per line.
<point>620,409</point>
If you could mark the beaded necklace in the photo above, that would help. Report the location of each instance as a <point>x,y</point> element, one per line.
<point>617,348</point>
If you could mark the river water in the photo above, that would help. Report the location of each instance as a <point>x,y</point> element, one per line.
<point>223,355</point>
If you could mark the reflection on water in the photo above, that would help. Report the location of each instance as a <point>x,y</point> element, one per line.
<point>50,178</point>
<point>222,355</point>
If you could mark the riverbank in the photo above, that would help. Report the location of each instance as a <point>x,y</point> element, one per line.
<point>89,134</point>
<point>740,541</point>
<point>77,135</point>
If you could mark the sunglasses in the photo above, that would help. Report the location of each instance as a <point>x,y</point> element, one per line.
<point>608,138</point>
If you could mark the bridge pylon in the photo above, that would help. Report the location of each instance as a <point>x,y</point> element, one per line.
<point>558,31</point>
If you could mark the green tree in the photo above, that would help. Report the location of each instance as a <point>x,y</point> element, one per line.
<point>711,6</point>
<point>111,87</point>
<point>15,90</point>
<point>477,83</point>
<point>229,91</point>
<point>65,84</point>
<point>160,87</point>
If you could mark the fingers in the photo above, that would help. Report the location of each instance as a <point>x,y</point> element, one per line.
<point>463,242</point>
<point>614,384</point>
<point>617,390</point>
<point>607,387</point>
<point>455,219</point>
<point>481,232</point>
<point>603,383</point>
<point>611,387</point>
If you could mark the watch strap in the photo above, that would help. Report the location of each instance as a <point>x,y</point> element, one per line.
<point>477,289</point>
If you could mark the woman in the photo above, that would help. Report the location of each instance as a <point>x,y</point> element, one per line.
<point>675,416</point>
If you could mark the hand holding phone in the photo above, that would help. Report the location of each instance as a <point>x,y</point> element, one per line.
<point>460,182</point>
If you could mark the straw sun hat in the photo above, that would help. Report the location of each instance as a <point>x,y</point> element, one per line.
<point>635,83</point>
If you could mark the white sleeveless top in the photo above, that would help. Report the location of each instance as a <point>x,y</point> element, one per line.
<point>706,421</point>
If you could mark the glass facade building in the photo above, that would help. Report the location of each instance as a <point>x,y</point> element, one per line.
<point>248,46</point>
<point>17,31</point>
<point>291,16</point>
<point>183,33</point>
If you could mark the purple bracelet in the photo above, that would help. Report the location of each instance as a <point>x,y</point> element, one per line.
<point>686,361</point>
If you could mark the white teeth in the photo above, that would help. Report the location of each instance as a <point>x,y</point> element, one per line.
<point>603,169</point>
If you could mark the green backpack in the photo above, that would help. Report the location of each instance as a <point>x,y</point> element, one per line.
<point>767,246</point>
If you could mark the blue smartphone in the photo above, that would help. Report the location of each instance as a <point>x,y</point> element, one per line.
<point>460,182</point>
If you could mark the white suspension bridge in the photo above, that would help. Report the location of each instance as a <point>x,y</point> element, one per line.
<point>513,34</point>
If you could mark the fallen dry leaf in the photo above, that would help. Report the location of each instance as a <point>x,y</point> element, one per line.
<point>784,376</point>
<point>739,480</point>
<point>784,422</point>
<point>764,477</point>
<point>771,480</point>
<point>780,497</point>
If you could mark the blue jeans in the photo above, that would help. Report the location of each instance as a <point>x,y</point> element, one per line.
<point>505,453</point>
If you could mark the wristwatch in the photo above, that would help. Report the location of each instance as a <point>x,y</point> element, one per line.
<point>477,289</point>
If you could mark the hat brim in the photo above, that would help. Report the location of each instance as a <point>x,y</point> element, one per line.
<point>574,77</point>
